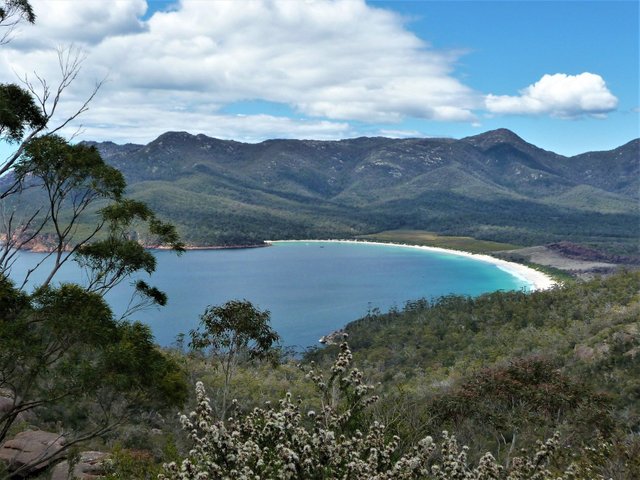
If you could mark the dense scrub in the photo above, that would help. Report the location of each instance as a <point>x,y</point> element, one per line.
<point>500,373</point>
<point>338,441</point>
<point>507,368</point>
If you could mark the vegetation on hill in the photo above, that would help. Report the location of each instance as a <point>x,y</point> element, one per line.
<point>336,442</point>
<point>506,368</point>
<point>499,372</point>
<point>493,186</point>
<point>502,371</point>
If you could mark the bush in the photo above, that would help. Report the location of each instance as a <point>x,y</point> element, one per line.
<point>336,442</point>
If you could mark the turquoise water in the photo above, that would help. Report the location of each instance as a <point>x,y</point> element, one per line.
<point>310,288</point>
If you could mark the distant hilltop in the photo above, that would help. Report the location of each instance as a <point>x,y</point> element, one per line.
<point>494,186</point>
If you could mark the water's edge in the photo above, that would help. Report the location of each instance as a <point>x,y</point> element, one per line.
<point>537,280</point>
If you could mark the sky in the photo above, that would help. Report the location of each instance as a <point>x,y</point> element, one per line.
<point>562,75</point>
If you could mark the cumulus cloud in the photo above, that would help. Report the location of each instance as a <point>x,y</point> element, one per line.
<point>334,61</point>
<point>137,126</point>
<point>559,95</point>
<point>340,60</point>
<point>335,64</point>
<point>87,22</point>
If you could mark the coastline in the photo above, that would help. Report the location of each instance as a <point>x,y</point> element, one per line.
<point>212,247</point>
<point>41,248</point>
<point>537,280</point>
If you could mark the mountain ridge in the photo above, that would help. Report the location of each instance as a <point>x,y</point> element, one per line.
<point>224,191</point>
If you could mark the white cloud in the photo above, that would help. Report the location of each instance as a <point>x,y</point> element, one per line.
<point>394,133</point>
<point>559,95</point>
<point>333,63</point>
<point>339,60</point>
<point>142,126</point>
<point>86,21</point>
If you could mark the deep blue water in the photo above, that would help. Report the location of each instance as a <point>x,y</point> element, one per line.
<point>310,288</point>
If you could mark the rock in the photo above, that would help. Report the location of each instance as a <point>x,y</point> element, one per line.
<point>623,338</point>
<point>90,465</point>
<point>33,447</point>
<point>633,353</point>
<point>589,354</point>
<point>602,349</point>
<point>6,404</point>
<point>584,352</point>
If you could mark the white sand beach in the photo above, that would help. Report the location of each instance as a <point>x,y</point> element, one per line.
<point>537,280</point>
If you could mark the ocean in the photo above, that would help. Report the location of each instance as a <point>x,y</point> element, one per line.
<point>310,288</point>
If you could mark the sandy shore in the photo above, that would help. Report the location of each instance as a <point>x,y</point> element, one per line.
<point>536,280</point>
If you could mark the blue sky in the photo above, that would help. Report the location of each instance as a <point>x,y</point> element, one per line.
<point>510,43</point>
<point>562,75</point>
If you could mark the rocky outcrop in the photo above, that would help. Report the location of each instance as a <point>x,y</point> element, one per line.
<point>6,404</point>
<point>31,451</point>
<point>90,465</point>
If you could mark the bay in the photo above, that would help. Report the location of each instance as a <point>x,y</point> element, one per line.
<point>310,288</point>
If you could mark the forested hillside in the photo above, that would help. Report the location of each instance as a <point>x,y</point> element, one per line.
<point>493,186</point>
<point>499,373</point>
<point>506,368</point>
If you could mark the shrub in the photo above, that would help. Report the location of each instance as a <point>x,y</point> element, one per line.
<point>336,442</point>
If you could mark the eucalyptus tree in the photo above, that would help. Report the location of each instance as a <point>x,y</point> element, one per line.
<point>12,12</point>
<point>64,355</point>
<point>231,332</point>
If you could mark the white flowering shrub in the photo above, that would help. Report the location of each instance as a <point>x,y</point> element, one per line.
<point>281,442</point>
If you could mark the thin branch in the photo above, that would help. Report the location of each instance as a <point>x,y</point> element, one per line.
<point>70,62</point>
<point>14,14</point>
<point>15,240</point>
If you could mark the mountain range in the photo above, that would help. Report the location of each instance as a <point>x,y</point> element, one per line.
<point>492,186</point>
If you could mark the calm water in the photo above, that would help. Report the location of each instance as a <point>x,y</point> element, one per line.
<point>310,288</point>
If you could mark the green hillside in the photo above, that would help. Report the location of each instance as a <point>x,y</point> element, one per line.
<point>509,367</point>
<point>499,372</point>
<point>493,186</point>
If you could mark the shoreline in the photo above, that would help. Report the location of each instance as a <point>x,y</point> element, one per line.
<point>537,280</point>
<point>38,248</point>
<point>212,247</point>
<point>534,278</point>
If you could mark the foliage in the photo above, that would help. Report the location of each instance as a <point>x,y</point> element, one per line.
<point>64,359</point>
<point>506,368</point>
<point>518,402</point>
<point>233,331</point>
<point>20,8</point>
<point>126,464</point>
<point>282,442</point>
<point>235,328</point>
<point>63,351</point>
<point>63,167</point>
<point>18,112</point>
<point>110,260</point>
<point>12,13</point>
